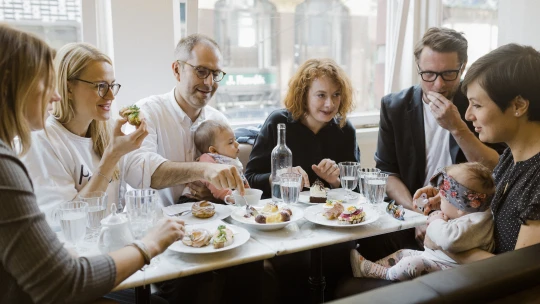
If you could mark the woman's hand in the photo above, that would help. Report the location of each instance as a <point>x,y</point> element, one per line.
<point>434,199</point>
<point>121,144</point>
<point>305,178</point>
<point>328,170</point>
<point>167,231</point>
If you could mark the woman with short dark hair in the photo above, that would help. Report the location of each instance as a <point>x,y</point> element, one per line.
<point>504,105</point>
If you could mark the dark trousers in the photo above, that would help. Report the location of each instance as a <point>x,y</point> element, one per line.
<point>292,272</point>
<point>229,285</point>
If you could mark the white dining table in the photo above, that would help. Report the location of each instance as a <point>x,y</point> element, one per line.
<point>298,236</point>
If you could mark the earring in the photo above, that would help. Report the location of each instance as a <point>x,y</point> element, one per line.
<point>517,113</point>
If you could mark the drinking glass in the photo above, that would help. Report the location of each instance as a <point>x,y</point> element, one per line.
<point>376,188</point>
<point>141,205</point>
<point>362,172</point>
<point>72,219</point>
<point>348,173</point>
<point>97,209</point>
<point>291,185</point>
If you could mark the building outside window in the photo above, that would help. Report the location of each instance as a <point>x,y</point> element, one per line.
<point>477,20</point>
<point>265,41</point>
<point>56,21</point>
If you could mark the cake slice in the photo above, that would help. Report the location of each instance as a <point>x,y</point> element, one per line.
<point>317,193</point>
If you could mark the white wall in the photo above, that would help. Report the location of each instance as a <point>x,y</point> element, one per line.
<point>519,22</point>
<point>143,48</point>
<point>367,142</point>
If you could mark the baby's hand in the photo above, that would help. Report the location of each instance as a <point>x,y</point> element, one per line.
<point>436,215</point>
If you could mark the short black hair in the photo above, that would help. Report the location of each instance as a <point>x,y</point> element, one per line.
<point>507,72</point>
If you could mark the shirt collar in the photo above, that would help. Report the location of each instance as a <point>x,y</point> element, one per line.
<point>182,114</point>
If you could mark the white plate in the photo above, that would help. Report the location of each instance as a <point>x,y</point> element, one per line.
<point>222,211</point>
<point>335,194</point>
<point>315,215</point>
<point>241,236</point>
<point>238,215</point>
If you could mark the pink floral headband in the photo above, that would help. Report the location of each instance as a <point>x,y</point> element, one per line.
<point>458,195</point>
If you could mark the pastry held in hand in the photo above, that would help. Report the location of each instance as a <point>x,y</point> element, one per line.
<point>332,209</point>
<point>203,209</point>
<point>132,114</point>
<point>223,237</point>
<point>197,238</point>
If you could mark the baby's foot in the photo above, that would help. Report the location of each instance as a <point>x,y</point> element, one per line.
<point>356,263</point>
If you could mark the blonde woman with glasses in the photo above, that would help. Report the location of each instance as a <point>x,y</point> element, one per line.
<point>34,266</point>
<point>78,152</point>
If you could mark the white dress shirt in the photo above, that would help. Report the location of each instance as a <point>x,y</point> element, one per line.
<point>170,138</point>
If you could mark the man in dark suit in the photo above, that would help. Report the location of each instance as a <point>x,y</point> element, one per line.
<point>423,128</point>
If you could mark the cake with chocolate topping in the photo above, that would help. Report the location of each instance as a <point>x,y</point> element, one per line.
<point>317,193</point>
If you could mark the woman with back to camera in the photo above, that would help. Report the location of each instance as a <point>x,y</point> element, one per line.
<point>34,265</point>
<point>504,106</point>
<point>78,152</point>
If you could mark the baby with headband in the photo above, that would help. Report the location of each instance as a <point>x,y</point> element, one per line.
<point>463,223</point>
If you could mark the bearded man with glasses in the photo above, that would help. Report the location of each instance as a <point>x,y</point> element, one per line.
<point>423,128</point>
<point>166,160</point>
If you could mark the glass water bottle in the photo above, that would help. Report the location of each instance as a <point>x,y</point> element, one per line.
<point>281,162</point>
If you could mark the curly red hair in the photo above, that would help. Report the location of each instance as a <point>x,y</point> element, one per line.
<point>296,99</point>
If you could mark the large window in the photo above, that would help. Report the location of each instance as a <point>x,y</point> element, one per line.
<point>264,42</point>
<point>56,21</point>
<point>477,20</point>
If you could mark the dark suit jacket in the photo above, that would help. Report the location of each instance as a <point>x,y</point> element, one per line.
<point>401,147</point>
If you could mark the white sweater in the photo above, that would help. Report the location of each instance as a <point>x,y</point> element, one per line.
<point>170,137</point>
<point>474,230</point>
<point>60,164</point>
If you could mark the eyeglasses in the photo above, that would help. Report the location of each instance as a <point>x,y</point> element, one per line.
<point>103,87</point>
<point>429,76</point>
<point>203,72</point>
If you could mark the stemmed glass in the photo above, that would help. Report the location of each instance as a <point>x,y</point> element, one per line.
<point>291,183</point>
<point>362,172</point>
<point>72,219</point>
<point>348,173</point>
<point>97,209</point>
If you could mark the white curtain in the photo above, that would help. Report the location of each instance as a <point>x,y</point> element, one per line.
<point>407,22</point>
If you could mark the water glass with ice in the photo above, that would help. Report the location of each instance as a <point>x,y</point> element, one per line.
<point>362,172</point>
<point>141,206</point>
<point>72,219</point>
<point>97,210</point>
<point>291,185</point>
<point>348,173</point>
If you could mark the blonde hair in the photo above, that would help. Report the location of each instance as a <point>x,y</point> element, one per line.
<point>25,60</point>
<point>70,62</point>
<point>296,99</point>
<point>205,135</point>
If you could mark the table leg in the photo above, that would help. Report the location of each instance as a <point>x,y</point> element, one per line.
<point>142,294</point>
<point>316,279</point>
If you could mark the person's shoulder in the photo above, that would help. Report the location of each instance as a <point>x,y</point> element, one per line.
<point>278,116</point>
<point>402,98</point>
<point>5,149</point>
<point>153,102</point>
<point>207,158</point>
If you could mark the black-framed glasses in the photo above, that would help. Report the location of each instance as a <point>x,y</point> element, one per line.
<point>103,87</point>
<point>203,72</point>
<point>429,76</point>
